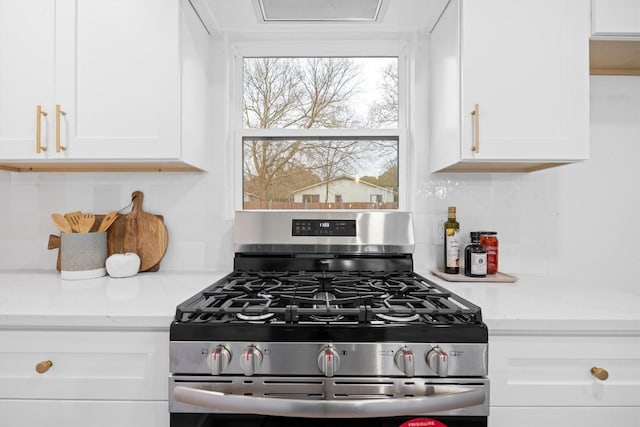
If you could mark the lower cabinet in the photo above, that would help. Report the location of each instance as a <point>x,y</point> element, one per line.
<point>84,378</point>
<point>585,380</point>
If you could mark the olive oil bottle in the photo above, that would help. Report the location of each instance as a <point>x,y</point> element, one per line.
<point>452,243</point>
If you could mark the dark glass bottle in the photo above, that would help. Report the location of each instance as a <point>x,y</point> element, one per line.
<point>475,257</point>
<point>452,243</point>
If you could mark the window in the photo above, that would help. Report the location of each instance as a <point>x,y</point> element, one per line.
<point>311,198</point>
<point>320,132</point>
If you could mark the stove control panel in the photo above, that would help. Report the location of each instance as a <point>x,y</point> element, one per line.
<point>323,227</point>
<point>336,359</point>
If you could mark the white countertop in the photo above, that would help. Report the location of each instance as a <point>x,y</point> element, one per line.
<point>551,304</point>
<point>40,299</point>
<point>147,300</point>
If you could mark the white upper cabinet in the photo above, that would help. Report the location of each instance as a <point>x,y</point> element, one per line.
<point>26,75</point>
<point>616,17</point>
<point>111,77</point>
<point>509,85</point>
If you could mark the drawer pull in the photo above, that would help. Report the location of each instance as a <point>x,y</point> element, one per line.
<point>600,373</point>
<point>43,366</point>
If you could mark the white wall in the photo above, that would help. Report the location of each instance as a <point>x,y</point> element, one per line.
<point>578,219</point>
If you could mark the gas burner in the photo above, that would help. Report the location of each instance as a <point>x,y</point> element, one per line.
<point>255,317</point>
<point>324,298</point>
<point>328,318</point>
<point>398,317</point>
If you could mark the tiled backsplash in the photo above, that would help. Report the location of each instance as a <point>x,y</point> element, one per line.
<point>576,219</point>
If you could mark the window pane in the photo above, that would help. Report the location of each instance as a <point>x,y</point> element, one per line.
<point>320,92</point>
<point>320,174</point>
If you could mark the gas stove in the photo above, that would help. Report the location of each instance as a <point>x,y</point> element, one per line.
<point>324,317</point>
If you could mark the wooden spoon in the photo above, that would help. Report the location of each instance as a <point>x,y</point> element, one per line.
<point>60,222</point>
<point>74,220</point>
<point>107,221</point>
<point>86,222</point>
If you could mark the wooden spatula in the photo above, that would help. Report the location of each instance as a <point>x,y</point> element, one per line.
<point>107,221</point>
<point>74,220</point>
<point>86,222</point>
<point>60,222</point>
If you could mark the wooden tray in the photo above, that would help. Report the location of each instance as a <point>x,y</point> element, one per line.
<point>498,277</point>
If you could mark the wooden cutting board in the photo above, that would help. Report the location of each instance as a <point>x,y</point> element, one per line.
<point>139,232</point>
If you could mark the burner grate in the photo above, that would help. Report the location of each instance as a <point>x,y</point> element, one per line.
<point>283,297</point>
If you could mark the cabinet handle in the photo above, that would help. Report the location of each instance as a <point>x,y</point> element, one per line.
<point>476,128</point>
<point>600,373</point>
<point>59,112</point>
<point>39,113</point>
<point>43,366</point>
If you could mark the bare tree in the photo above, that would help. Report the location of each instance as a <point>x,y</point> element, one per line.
<point>266,163</point>
<point>327,87</point>
<point>271,93</point>
<point>385,112</point>
<point>283,93</point>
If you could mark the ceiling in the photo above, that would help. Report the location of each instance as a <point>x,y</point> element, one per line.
<point>245,16</point>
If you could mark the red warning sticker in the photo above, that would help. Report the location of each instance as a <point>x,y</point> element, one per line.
<point>422,422</point>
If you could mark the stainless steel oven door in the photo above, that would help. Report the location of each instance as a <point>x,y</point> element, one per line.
<point>319,397</point>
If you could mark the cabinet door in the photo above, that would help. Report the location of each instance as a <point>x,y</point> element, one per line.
<point>526,64</point>
<point>94,365</point>
<point>556,371</point>
<point>616,17</point>
<point>118,78</point>
<point>26,75</point>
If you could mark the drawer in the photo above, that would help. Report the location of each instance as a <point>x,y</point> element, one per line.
<point>556,371</point>
<point>599,416</point>
<point>69,413</point>
<point>117,365</point>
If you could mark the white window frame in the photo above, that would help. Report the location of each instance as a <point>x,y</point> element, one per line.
<point>318,48</point>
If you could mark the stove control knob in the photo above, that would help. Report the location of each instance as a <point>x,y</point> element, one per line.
<point>219,359</point>
<point>250,360</point>
<point>404,361</point>
<point>438,361</point>
<point>328,361</point>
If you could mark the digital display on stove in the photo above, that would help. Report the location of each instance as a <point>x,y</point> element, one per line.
<point>323,227</point>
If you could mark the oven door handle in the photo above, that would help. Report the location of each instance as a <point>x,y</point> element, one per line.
<point>445,398</point>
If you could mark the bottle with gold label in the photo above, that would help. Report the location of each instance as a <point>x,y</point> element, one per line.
<point>452,243</point>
